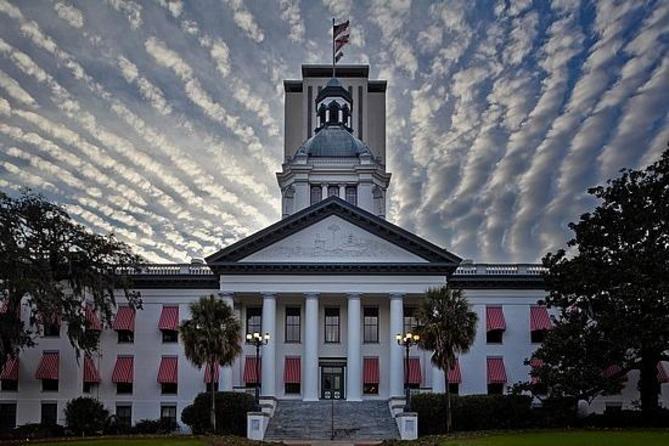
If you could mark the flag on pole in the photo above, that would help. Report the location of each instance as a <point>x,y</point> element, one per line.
<point>341,34</point>
<point>339,29</point>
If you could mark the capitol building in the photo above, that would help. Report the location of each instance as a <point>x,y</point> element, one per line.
<point>333,282</point>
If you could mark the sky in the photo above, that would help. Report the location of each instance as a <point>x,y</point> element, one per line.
<point>162,121</point>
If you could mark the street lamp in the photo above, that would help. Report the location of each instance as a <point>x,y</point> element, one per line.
<point>407,340</point>
<point>258,340</point>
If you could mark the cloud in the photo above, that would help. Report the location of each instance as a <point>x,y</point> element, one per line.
<point>70,14</point>
<point>245,20</point>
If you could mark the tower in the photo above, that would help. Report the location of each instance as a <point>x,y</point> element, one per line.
<point>334,139</point>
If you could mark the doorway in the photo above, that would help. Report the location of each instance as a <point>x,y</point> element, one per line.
<point>332,383</point>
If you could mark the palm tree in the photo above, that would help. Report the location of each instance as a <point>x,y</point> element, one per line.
<point>212,336</point>
<point>447,326</point>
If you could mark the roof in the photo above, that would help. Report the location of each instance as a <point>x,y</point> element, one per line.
<point>439,261</point>
<point>325,70</point>
<point>334,89</point>
<point>334,141</point>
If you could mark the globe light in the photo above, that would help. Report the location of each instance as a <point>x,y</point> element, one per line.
<point>398,337</point>
<point>256,335</point>
<point>249,337</point>
<point>266,337</point>
<point>416,338</point>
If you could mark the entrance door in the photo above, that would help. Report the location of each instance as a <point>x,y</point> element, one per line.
<point>332,383</point>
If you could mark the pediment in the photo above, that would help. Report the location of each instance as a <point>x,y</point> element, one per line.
<point>333,240</point>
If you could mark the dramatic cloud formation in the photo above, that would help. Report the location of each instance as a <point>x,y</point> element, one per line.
<point>162,121</point>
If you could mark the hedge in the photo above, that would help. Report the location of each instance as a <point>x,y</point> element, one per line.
<point>231,409</point>
<point>85,416</point>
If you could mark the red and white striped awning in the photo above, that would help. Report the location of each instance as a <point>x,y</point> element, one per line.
<point>123,370</point>
<point>250,370</point>
<point>454,375</point>
<point>168,373</point>
<point>663,372</point>
<point>496,370</point>
<point>370,370</point>
<point>10,371</point>
<point>124,320</point>
<point>539,318</point>
<point>292,371</point>
<point>91,374</point>
<point>49,366</point>
<point>495,318</point>
<point>207,373</point>
<point>169,319</point>
<point>92,319</point>
<point>414,375</point>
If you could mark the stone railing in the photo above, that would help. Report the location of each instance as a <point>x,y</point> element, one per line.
<point>167,270</point>
<point>499,269</point>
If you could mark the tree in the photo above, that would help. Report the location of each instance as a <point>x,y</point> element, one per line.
<point>212,336</point>
<point>447,326</point>
<point>617,272</point>
<point>54,265</point>
<point>85,416</point>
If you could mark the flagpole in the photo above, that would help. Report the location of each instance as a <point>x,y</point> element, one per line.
<point>333,47</point>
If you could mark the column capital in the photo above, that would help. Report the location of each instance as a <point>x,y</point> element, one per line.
<point>268,295</point>
<point>353,295</point>
<point>397,295</point>
<point>311,295</point>
<point>226,294</point>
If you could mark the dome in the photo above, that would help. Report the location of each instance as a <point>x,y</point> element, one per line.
<point>334,141</point>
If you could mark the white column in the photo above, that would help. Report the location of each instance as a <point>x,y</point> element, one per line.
<point>342,191</point>
<point>438,381</point>
<point>310,367</point>
<point>353,366</point>
<point>396,365</point>
<point>226,372</point>
<point>324,191</point>
<point>268,365</point>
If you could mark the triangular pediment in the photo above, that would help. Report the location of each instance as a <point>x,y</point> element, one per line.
<point>333,236</point>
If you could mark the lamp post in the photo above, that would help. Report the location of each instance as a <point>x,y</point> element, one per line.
<point>407,340</point>
<point>258,340</point>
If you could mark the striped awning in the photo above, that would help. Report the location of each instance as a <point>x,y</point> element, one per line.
<point>250,370</point>
<point>454,375</point>
<point>539,318</point>
<point>663,372</point>
<point>414,375</point>
<point>495,318</point>
<point>91,374</point>
<point>168,373</point>
<point>169,319</point>
<point>207,373</point>
<point>292,370</point>
<point>496,370</point>
<point>92,319</point>
<point>370,370</point>
<point>535,364</point>
<point>10,371</point>
<point>123,370</point>
<point>49,366</point>
<point>124,320</point>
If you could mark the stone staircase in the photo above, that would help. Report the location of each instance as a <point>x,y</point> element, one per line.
<point>353,421</point>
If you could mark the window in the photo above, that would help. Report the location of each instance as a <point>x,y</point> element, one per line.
<point>494,336</point>
<point>124,415</point>
<point>537,336</point>
<point>370,389</point>
<point>333,191</point>
<point>88,387</point>
<point>613,407</point>
<point>9,385</point>
<point>253,320</point>
<point>208,386</point>
<point>168,388</point>
<point>454,388</point>
<point>292,388</point>
<point>123,388</point>
<point>370,324</point>
<point>410,322</point>
<point>170,336</point>
<point>126,337</point>
<point>332,325</point>
<point>169,414</point>
<point>7,416</point>
<point>352,195</point>
<point>495,389</point>
<point>49,385</point>
<point>293,324</point>
<point>316,194</point>
<point>49,413</point>
<point>51,329</point>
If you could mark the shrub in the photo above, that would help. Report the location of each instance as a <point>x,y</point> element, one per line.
<point>85,416</point>
<point>628,419</point>
<point>472,412</point>
<point>38,430</point>
<point>114,427</point>
<point>231,408</point>
<point>161,426</point>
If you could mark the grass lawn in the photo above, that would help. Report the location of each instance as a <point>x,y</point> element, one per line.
<point>578,438</point>
<point>134,442</point>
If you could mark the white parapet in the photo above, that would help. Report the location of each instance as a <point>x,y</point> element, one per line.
<point>256,425</point>
<point>407,423</point>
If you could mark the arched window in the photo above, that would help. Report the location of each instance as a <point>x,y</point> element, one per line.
<point>316,194</point>
<point>352,195</point>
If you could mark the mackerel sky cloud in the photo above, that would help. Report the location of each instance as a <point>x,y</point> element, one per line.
<point>163,120</point>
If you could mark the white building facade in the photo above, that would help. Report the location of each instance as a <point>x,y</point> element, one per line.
<point>332,283</point>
